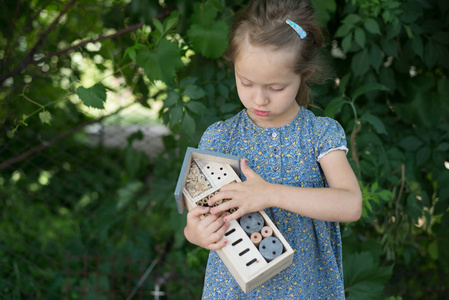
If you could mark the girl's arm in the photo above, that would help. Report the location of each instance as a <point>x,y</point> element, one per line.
<point>341,202</point>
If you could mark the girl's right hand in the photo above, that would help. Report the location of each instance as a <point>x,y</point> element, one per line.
<point>206,232</point>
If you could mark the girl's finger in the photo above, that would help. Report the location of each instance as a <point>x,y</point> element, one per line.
<point>218,245</point>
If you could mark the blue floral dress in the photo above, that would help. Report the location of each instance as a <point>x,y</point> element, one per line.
<point>286,155</point>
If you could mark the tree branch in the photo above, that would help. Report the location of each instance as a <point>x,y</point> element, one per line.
<point>353,148</point>
<point>83,43</point>
<point>28,58</point>
<point>11,34</point>
<point>63,135</point>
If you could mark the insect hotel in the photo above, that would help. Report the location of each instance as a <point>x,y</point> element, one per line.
<point>256,250</point>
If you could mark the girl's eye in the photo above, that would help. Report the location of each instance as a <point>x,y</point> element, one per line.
<point>246,84</point>
<point>276,89</point>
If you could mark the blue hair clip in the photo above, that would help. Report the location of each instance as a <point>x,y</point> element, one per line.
<point>302,34</point>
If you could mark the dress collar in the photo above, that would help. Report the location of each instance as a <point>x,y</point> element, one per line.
<point>293,123</point>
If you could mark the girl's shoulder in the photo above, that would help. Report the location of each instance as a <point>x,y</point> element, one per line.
<point>218,135</point>
<point>227,125</point>
<point>325,134</point>
<point>319,125</point>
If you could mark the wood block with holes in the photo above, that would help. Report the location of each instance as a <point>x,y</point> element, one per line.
<point>203,173</point>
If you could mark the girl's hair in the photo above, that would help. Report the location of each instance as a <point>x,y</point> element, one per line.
<point>262,23</point>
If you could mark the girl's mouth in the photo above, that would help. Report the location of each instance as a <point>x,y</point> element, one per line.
<point>261,113</point>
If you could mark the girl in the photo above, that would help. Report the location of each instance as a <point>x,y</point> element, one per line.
<point>294,162</point>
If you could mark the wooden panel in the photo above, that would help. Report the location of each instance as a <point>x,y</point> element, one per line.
<point>240,255</point>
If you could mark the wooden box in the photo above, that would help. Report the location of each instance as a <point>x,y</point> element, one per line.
<point>201,176</point>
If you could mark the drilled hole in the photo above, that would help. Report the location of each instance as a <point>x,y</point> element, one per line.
<point>251,262</point>
<point>244,251</point>
<point>230,232</point>
<point>236,242</point>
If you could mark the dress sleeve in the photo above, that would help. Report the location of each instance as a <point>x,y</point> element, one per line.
<point>213,138</point>
<point>330,136</point>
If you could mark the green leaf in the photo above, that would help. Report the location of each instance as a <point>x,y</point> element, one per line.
<point>324,9</point>
<point>376,58</point>
<point>423,155</point>
<point>94,96</point>
<point>372,26</point>
<point>188,124</point>
<point>442,147</point>
<point>390,47</point>
<point>359,36</point>
<point>45,117</point>
<point>228,107</point>
<point>375,122</point>
<point>393,30</point>
<point>175,114</point>
<point>432,249</point>
<point>363,278</point>
<point>344,83</point>
<point>430,54</point>
<point>387,77</point>
<point>158,25</point>
<point>414,210</point>
<point>162,63</point>
<point>127,193</point>
<point>194,92</point>
<point>418,47</point>
<point>210,41</point>
<point>171,21</point>
<point>368,87</point>
<point>410,143</point>
<point>172,98</point>
<point>343,30</point>
<point>441,37</point>
<point>187,81</point>
<point>204,14</point>
<point>196,107</point>
<point>346,43</point>
<point>131,52</point>
<point>351,19</point>
<point>335,106</point>
<point>360,63</point>
<point>386,195</point>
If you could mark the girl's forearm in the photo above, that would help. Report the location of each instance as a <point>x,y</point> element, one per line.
<point>327,204</point>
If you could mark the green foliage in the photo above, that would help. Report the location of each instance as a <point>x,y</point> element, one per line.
<point>390,95</point>
<point>94,96</point>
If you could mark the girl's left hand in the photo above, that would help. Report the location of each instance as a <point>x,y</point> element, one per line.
<point>249,196</point>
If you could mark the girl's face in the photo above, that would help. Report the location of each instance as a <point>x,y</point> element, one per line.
<point>267,85</point>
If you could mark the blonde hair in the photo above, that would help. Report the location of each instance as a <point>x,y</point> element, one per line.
<point>262,22</point>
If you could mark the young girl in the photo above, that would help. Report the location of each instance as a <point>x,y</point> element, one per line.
<point>294,162</point>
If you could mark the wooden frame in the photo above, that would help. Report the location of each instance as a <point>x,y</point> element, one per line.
<point>241,256</point>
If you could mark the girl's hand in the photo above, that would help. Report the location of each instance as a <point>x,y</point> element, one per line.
<point>206,232</point>
<point>249,196</point>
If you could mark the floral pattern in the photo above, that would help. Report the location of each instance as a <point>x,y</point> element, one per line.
<point>286,155</point>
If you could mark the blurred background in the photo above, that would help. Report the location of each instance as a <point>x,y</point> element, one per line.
<point>99,100</point>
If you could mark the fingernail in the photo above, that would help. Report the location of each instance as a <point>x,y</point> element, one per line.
<point>212,211</point>
<point>225,242</point>
<point>225,219</point>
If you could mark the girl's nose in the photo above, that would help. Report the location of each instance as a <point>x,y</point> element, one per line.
<point>260,97</point>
